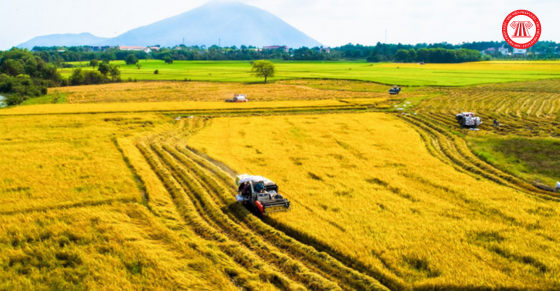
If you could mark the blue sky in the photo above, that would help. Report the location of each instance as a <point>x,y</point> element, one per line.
<point>331,22</point>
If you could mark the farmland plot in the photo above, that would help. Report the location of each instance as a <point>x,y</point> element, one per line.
<point>74,212</point>
<point>529,117</point>
<point>365,188</point>
<point>379,200</point>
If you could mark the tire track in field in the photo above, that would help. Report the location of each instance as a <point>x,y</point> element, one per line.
<point>219,184</point>
<point>456,150</point>
<point>200,226</point>
<point>205,207</point>
<point>211,205</point>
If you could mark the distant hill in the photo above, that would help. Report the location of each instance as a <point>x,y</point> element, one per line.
<point>218,22</point>
<point>63,40</point>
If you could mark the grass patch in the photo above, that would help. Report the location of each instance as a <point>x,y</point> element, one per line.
<point>530,158</point>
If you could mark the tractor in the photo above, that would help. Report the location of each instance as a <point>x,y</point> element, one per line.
<point>261,194</point>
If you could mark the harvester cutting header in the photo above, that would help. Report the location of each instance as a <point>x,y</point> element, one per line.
<point>260,193</point>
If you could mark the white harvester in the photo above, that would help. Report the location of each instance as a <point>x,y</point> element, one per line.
<point>238,98</point>
<point>261,194</point>
<point>468,120</point>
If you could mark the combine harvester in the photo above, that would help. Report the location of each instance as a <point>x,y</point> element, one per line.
<point>395,90</point>
<point>238,98</point>
<point>261,194</point>
<point>468,120</point>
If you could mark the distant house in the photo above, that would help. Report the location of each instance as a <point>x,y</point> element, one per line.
<point>135,48</point>
<point>504,51</point>
<point>154,48</point>
<point>61,51</point>
<point>519,52</point>
<point>275,47</point>
<point>490,51</point>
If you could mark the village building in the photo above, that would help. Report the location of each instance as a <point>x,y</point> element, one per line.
<point>504,51</point>
<point>519,52</point>
<point>135,48</point>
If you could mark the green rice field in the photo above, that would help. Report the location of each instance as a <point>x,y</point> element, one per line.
<point>409,74</point>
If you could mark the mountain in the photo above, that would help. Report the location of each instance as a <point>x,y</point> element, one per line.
<point>222,22</point>
<point>63,40</point>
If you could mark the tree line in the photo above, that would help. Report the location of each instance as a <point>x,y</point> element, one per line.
<point>380,52</point>
<point>25,74</point>
<point>438,55</point>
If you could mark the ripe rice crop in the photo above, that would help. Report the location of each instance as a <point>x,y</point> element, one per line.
<point>130,198</point>
<point>53,161</point>
<point>174,107</point>
<point>366,186</point>
<point>205,91</point>
<point>525,108</point>
<point>528,113</point>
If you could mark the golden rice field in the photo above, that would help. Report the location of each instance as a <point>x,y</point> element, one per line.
<point>193,107</point>
<point>525,143</point>
<point>526,108</point>
<point>366,187</point>
<point>74,214</point>
<point>205,91</point>
<point>112,192</point>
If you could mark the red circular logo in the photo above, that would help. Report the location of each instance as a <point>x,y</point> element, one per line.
<point>521,29</point>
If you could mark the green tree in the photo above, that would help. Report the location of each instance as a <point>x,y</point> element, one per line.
<point>14,99</point>
<point>168,60</point>
<point>31,67</point>
<point>115,73</point>
<point>108,56</point>
<point>264,69</point>
<point>13,67</point>
<point>104,68</point>
<point>401,56</point>
<point>131,59</point>
<point>49,72</point>
<point>78,77</point>
<point>93,77</point>
<point>412,55</point>
<point>93,63</point>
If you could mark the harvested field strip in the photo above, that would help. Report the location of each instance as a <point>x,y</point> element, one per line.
<point>527,109</point>
<point>187,209</point>
<point>216,92</point>
<point>219,184</point>
<point>456,150</point>
<point>468,204</point>
<point>303,263</point>
<point>235,232</point>
<point>50,109</point>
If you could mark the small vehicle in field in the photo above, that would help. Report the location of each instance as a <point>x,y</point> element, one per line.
<point>238,98</point>
<point>395,90</point>
<point>261,194</point>
<point>468,120</point>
